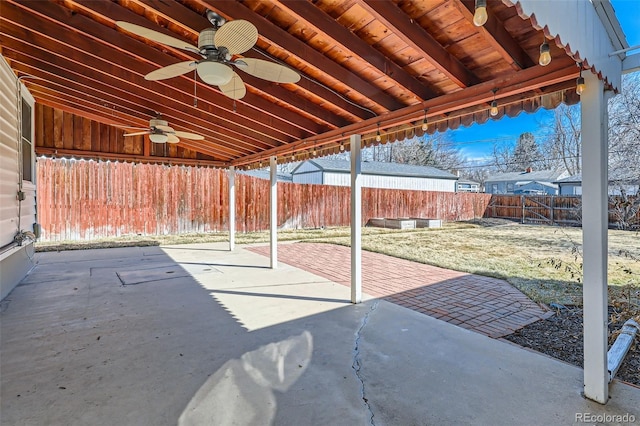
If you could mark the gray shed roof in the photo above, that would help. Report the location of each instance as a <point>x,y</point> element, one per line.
<point>265,174</point>
<point>381,168</point>
<point>537,175</point>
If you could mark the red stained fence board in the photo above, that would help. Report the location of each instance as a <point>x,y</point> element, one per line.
<point>85,200</point>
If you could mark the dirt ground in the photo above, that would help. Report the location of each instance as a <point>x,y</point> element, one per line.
<point>561,337</point>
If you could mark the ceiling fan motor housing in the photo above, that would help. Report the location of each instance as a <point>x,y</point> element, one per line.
<point>206,39</point>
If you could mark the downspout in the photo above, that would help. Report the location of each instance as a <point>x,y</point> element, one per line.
<point>621,346</point>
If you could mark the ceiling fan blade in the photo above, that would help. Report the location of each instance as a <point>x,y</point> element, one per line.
<point>267,70</point>
<point>171,138</point>
<point>171,71</point>
<point>137,133</point>
<point>187,135</point>
<point>234,89</point>
<point>156,36</point>
<point>237,36</point>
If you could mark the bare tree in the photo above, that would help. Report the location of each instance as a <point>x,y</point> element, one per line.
<point>624,152</point>
<point>563,148</point>
<point>437,150</point>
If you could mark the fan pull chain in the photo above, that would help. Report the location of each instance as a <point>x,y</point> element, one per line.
<point>195,88</point>
<point>234,106</point>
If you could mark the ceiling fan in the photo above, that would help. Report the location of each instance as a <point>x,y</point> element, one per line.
<point>160,132</point>
<point>218,46</point>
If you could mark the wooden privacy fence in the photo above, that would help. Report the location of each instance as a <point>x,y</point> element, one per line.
<point>84,200</point>
<point>547,209</point>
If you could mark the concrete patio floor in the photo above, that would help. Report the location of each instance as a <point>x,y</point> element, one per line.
<point>198,335</point>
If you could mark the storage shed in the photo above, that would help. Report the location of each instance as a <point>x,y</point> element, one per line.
<point>375,175</point>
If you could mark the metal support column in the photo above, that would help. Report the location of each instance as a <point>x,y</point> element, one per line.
<point>356,220</point>
<point>594,236</point>
<point>273,211</point>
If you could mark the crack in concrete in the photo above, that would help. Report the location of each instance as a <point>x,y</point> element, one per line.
<point>357,362</point>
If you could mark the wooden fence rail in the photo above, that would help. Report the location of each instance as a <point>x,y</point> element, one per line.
<point>548,209</point>
<point>85,200</point>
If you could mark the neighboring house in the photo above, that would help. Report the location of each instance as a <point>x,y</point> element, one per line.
<point>572,185</point>
<point>375,175</point>
<point>463,185</point>
<point>17,182</point>
<point>529,182</point>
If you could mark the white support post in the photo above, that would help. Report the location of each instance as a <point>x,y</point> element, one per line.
<point>232,208</point>
<point>356,220</point>
<point>595,221</point>
<point>273,211</point>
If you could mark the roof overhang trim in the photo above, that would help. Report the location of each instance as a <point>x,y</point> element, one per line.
<point>590,32</point>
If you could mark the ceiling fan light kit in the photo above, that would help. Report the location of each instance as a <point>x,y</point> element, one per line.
<point>214,73</point>
<point>158,137</point>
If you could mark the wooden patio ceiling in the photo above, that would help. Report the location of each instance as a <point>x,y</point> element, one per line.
<point>365,65</point>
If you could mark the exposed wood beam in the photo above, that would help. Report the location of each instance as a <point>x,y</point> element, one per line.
<point>528,80</point>
<point>496,34</point>
<point>276,35</point>
<point>414,35</point>
<point>127,157</point>
<point>322,22</point>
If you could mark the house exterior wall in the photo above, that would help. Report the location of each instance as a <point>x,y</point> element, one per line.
<point>511,187</point>
<point>15,215</point>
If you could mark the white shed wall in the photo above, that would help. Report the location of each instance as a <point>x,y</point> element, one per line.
<point>309,177</point>
<point>392,182</point>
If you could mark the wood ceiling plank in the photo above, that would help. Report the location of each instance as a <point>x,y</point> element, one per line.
<point>322,22</point>
<point>415,36</point>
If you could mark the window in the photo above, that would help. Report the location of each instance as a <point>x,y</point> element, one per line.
<point>494,188</point>
<point>509,187</point>
<point>27,161</point>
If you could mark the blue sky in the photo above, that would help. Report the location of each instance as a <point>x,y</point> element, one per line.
<point>476,141</point>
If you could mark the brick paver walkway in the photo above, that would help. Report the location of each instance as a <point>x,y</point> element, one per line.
<point>486,305</point>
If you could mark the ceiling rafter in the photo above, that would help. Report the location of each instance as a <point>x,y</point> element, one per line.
<point>281,38</point>
<point>318,19</point>
<point>414,35</point>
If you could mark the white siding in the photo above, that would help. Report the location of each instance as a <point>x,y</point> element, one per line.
<point>9,164</point>
<point>392,182</point>
<point>309,177</point>
<point>15,261</point>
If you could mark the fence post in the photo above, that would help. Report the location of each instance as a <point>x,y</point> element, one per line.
<point>522,202</point>
<point>551,207</point>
